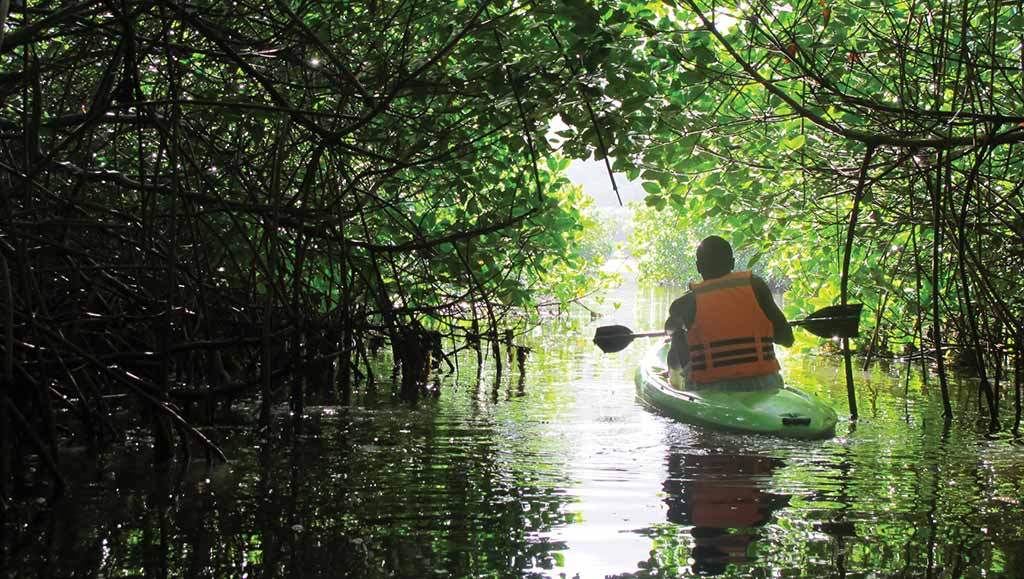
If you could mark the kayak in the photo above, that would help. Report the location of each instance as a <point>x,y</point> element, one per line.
<point>783,411</point>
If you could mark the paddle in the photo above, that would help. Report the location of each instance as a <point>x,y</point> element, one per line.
<point>828,322</point>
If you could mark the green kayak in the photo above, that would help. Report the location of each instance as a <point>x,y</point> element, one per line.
<point>782,411</point>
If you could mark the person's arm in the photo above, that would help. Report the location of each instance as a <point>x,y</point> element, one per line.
<point>680,316</point>
<point>783,331</point>
<point>681,313</point>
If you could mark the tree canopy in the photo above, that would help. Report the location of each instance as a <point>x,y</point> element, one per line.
<point>870,150</point>
<point>200,197</point>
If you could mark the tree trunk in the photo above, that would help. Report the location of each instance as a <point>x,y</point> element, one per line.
<point>934,188</point>
<point>851,395</point>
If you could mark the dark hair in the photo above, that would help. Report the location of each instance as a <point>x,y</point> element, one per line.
<point>714,257</point>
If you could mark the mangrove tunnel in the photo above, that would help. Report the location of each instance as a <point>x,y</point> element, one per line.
<point>207,206</point>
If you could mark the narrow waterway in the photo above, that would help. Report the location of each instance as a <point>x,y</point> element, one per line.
<point>556,473</point>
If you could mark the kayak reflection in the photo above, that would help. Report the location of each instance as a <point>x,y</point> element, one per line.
<point>724,498</point>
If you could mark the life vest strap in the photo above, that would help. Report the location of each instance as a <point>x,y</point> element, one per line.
<point>733,361</point>
<point>722,283</point>
<point>759,349</point>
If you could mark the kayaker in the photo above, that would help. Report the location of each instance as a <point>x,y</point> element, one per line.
<point>724,329</point>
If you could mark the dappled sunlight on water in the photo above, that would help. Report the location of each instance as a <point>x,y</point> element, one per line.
<point>560,473</point>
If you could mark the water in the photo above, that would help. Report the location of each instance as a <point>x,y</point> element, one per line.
<point>558,473</point>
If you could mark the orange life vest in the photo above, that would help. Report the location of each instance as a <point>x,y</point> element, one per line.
<point>731,337</point>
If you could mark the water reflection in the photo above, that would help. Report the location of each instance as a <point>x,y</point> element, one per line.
<point>725,499</point>
<point>561,474</point>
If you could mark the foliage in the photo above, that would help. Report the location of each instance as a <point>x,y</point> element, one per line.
<point>666,240</point>
<point>572,268</point>
<point>600,231</point>
<point>898,123</point>
<point>204,198</point>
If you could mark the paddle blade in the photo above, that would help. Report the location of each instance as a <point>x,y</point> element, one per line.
<point>613,338</point>
<point>833,321</point>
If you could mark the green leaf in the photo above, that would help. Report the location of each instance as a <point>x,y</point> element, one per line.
<point>652,187</point>
<point>655,202</point>
<point>795,143</point>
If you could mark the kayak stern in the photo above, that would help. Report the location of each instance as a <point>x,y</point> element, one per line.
<point>784,411</point>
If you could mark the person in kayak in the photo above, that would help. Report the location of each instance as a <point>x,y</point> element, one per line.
<point>724,329</point>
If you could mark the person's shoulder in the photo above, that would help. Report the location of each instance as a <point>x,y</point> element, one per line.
<point>683,300</point>
<point>760,286</point>
<point>756,280</point>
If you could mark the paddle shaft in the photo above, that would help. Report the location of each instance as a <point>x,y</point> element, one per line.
<point>790,322</point>
<point>824,323</point>
<point>806,321</point>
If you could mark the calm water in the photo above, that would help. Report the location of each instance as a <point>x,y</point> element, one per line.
<point>558,473</point>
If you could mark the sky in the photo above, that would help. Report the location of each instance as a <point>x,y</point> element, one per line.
<point>593,177</point>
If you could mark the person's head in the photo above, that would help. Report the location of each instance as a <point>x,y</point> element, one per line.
<point>714,257</point>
